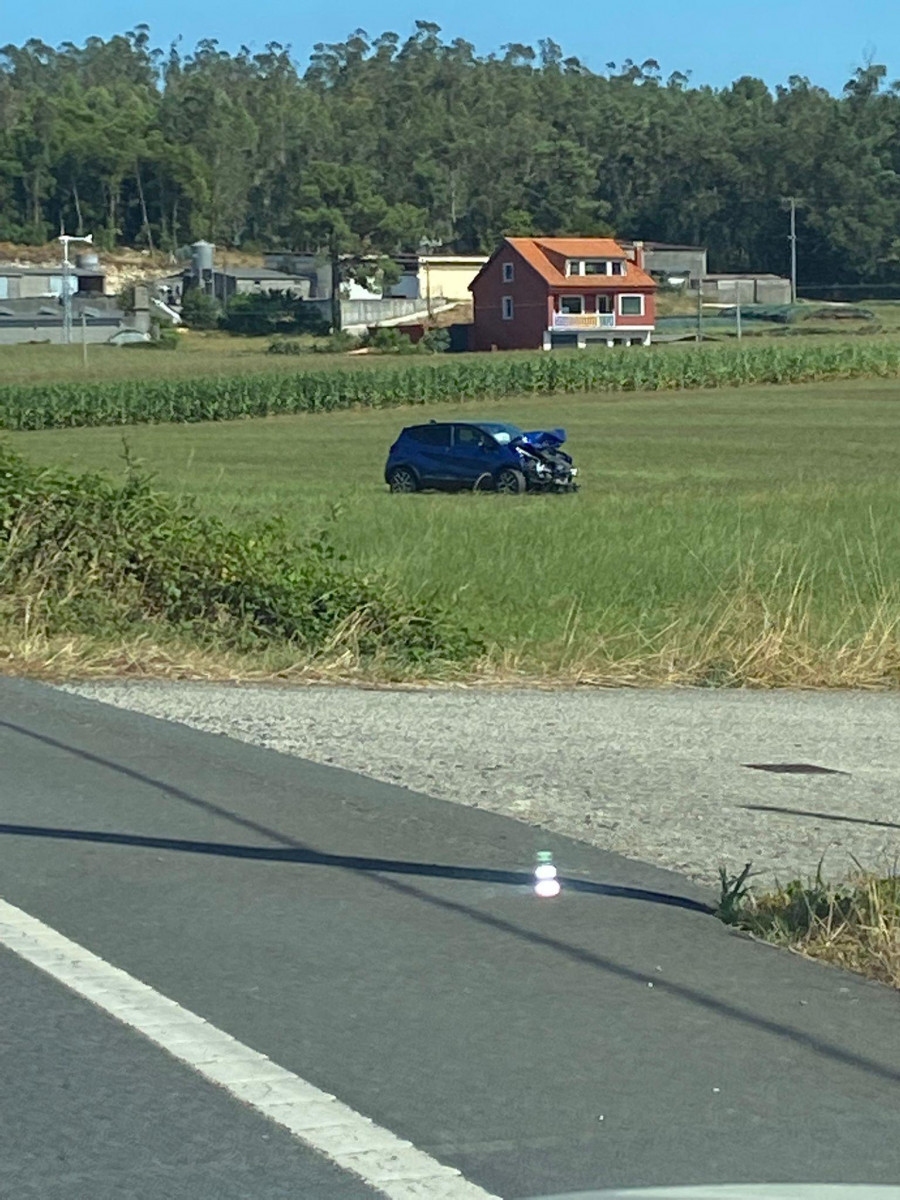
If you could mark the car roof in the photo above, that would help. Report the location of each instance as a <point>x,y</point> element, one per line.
<point>486,426</point>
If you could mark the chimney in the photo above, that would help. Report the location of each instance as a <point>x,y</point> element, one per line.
<point>639,255</point>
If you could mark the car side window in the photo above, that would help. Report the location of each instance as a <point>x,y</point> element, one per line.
<point>469,436</point>
<point>431,435</point>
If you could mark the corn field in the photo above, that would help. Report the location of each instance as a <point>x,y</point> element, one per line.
<point>224,398</point>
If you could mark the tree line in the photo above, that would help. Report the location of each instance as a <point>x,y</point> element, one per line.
<point>386,144</point>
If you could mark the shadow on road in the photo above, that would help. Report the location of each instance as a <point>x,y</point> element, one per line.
<point>802,812</point>
<point>350,862</point>
<point>691,995</point>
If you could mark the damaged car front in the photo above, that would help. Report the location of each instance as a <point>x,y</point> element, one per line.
<point>543,462</point>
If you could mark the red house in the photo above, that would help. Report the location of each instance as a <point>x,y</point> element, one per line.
<point>546,292</point>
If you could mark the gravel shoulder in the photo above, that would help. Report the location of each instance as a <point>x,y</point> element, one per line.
<point>659,776</point>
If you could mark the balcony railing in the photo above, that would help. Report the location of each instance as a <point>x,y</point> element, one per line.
<point>584,321</point>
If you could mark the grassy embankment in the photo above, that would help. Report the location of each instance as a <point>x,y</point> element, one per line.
<point>854,924</point>
<point>94,566</point>
<point>741,536</point>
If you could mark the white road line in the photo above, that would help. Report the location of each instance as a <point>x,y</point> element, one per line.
<point>353,1142</point>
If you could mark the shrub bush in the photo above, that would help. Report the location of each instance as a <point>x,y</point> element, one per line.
<point>272,313</point>
<point>436,341</point>
<point>390,341</point>
<point>336,343</point>
<point>84,554</point>
<point>200,311</point>
<point>288,346</point>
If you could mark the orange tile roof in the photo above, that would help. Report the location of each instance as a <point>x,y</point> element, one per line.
<point>548,257</point>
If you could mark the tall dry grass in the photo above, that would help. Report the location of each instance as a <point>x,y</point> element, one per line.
<point>854,924</point>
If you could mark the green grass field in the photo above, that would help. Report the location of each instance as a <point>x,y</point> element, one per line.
<point>220,354</point>
<point>197,354</point>
<point>740,536</point>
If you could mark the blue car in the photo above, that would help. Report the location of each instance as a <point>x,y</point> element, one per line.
<point>482,455</point>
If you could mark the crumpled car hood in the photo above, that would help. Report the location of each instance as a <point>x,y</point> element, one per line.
<point>543,439</point>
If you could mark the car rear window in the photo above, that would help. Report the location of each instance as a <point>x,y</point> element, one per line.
<point>430,435</point>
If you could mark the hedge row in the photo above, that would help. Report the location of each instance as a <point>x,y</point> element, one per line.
<point>213,398</point>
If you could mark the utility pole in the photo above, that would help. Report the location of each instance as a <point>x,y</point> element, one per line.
<point>737,315</point>
<point>333,248</point>
<point>792,202</point>
<point>65,239</point>
<point>84,338</point>
<point>699,335</point>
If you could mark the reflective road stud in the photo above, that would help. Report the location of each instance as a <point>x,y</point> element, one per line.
<point>546,884</point>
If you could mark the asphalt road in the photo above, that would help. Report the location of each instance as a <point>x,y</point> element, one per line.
<point>386,947</point>
<point>688,779</point>
<point>91,1110</point>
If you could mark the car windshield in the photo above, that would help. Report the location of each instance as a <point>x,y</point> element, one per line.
<point>501,432</point>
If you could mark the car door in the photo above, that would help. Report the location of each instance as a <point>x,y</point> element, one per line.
<point>474,454</point>
<point>432,453</point>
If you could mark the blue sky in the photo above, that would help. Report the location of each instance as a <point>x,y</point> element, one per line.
<point>716,40</point>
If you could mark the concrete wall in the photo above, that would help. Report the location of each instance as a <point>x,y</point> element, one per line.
<point>691,262</point>
<point>249,287</point>
<point>773,291</point>
<point>40,285</point>
<point>747,290</point>
<point>373,312</point>
<point>450,280</point>
<point>730,291</point>
<point>36,284</point>
<point>48,329</point>
<point>434,277</point>
<point>358,315</point>
<point>23,321</point>
<point>225,286</point>
<point>737,291</point>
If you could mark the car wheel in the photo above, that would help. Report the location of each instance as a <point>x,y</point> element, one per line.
<point>509,481</point>
<point>403,480</point>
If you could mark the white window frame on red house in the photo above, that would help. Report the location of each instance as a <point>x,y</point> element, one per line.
<point>509,272</point>
<point>631,296</point>
<point>507,308</point>
<point>572,311</point>
<point>578,266</point>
